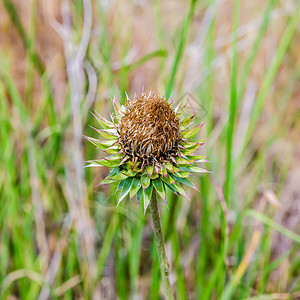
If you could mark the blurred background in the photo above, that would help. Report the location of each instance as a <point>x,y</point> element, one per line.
<point>237,63</point>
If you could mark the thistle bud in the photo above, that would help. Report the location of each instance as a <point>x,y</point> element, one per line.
<point>149,131</point>
<point>150,146</point>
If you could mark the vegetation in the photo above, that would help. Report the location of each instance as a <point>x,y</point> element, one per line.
<point>235,63</point>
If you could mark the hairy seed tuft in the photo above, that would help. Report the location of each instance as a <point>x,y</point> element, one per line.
<point>149,131</point>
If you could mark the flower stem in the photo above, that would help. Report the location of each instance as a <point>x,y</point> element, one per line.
<point>163,264</point>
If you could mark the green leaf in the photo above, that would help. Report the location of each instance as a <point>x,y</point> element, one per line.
<point>140,195</point>
<point>186,122</point>
<point>149,170</point>
<point>119,176</point>
<point>158,185</point>
<point>197,158</point>
<point>147,194</point>
<point>137,169</point>
<point>114,157</point>
<point>117,107</point>
<point>107,181</point>
<point>171,168</point>
<point>179,109</point>
<point>125,189</point>
<point>110,134</point>
<point>145,179</point>
<point>154,175</point>
<point>168,179</point>
<point>135,186</point>
<point>130,163</point>
<point>112,177</point>
<point>101,163</point>
<point>124,159</point>
<point>182,161</point>
<point>191,132</point>
<point>104,123</point>
<point>163,171</point>
<point>110,162</point>
<point>176,109</point>
<point>188,145</point>
<point>103,145</point>
<point>170,186</point>
<point>113,149</point>
<point>114,171</point>
<point>185,181</point>
<point>129,173</point>
<point>191,149</point>
<point>92,164</point>
<point>120,185</point>
<point>134,165</point>
<point>202,160</point>
<point>179,189</point>
<point>183,174</point>
<point>197,169</point>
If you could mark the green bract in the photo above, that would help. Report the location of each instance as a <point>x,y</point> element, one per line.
<point>149,147</point>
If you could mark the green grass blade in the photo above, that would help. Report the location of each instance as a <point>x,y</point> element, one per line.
<point>232,108</point>
<point>270,76</point>
<point>267,221</point>
<point>180,49</point>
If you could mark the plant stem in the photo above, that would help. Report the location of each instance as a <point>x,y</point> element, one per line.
<point>163,264</point>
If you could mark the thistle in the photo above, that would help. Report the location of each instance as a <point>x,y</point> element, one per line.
<point>149,146</point>
<point>150,151</point>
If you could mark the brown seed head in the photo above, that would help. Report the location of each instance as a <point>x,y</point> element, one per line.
<point>149,130</point>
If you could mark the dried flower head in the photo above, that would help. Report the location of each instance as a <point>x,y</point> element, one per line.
<point>150,146</point>
<point>149,131</point>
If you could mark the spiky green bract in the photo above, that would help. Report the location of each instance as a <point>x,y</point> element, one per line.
<point>149,146</point>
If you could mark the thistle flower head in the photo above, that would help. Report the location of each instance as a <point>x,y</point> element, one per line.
<point>149,146</point>
<point>149,131</point>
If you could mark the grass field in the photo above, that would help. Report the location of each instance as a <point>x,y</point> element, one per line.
<point>236,63</point>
